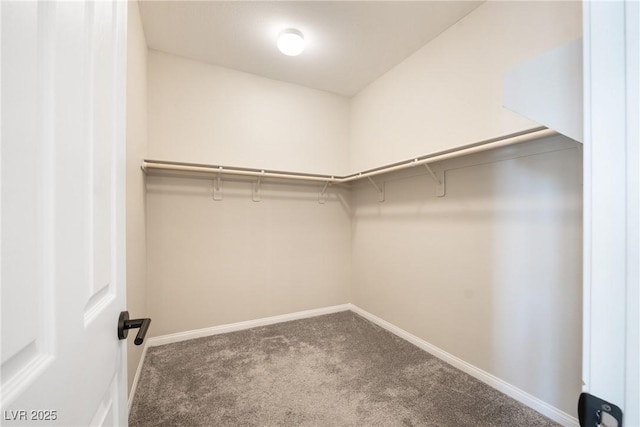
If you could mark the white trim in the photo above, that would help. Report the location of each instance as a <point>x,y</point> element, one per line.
<point>495,382</point>
<point>611,279</point>
<point>136,377</point>
<point>223,329</point>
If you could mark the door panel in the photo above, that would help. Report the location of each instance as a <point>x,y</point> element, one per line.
<point>100,54</point>
<point>102,133</point>
<point>27,337</point>
<point>62,171</point>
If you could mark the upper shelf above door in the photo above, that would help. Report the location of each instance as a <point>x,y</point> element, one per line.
<point>548,90</point>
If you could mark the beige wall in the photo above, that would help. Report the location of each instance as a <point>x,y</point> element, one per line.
<point>136,151</point>
<point>217,262</point>
<point>449,93</point>
<point>207,114</point>
<point>490,273</point>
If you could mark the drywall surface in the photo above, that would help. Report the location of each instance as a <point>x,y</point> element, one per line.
<point>449,93</point>
<point>218,262</point>
<point>207,114</point>
<point>490,273</point>
<point>136,151</point>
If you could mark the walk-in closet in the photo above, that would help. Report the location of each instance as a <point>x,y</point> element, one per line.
<point>320,212</point>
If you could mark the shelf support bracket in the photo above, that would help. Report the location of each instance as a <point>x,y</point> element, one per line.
<point>217,186</point>
<point>439,180</point>
<point>379,189</point>
<point>256,195</point>
<point>323,194</point>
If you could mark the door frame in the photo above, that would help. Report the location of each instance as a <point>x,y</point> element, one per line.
<point>611,258</point>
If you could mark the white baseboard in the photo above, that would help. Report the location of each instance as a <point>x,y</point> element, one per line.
<point>533,402</point>
<point>136,378</point>
<point>232,327</point>
<point>495,382</point>
<point>222,329</point>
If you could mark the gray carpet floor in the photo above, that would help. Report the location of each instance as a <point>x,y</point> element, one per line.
<point>333,370</point>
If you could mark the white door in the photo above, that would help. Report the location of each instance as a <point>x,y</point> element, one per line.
<point>63,70</point>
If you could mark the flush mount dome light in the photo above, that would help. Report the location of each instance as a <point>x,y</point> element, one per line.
<point>291,42</point>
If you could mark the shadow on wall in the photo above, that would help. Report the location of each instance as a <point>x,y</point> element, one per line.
<point>238,189</point>
<point>220,262</point>
<point>490,273</point>
<point>537,277</point>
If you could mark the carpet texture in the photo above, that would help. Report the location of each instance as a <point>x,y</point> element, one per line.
<point>333,370</point>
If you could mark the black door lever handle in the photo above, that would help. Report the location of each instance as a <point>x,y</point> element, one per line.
<point>124,324</point>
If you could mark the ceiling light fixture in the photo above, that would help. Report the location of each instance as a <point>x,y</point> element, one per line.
<point>291,42</point>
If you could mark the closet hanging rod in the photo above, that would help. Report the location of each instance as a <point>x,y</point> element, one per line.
<point>148,165</point>
<point>541,132</point>
<point>490,144</point>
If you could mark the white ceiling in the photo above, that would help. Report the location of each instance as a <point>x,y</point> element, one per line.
<point>349,43</point>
